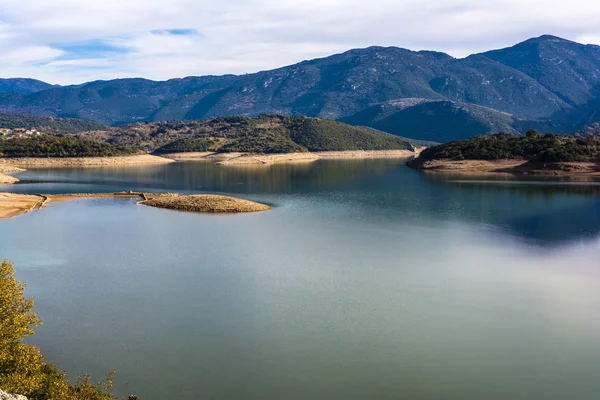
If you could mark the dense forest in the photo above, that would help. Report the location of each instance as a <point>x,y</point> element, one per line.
<point>531,146</point>
<point>59,146</point>
<point>51,125</point>
<point>264,134</point>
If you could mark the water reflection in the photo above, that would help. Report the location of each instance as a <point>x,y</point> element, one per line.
<point>543,210</point>
<point>368,280</point>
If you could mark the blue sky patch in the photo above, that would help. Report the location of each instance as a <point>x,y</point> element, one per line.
<point>176,32</point>
<point>96,48</point>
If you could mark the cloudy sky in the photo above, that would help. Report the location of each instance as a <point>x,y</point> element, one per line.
<point>72,41</point>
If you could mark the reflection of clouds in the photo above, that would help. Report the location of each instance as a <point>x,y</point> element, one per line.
<point>458,300</point>
<point>320,295</point>
<point>560,286</point>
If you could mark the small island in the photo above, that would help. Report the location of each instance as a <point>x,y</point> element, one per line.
<point>532,153</point>
<point>205,203</point>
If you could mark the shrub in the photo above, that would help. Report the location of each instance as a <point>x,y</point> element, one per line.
<point>22,366</point>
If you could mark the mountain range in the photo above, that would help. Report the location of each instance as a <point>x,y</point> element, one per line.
<point>545,83</point>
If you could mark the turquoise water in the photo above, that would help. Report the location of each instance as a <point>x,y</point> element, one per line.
<point>366,280</point>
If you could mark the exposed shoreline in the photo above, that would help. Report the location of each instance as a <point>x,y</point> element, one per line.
<point>12,165</point>
<point>12,204</point>
<point>7,179</point>
<point>53,162</point>
<point>8,169</point>
<point>269,159</point>
<point>509,166</point>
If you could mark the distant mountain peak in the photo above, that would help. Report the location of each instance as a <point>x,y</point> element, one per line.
<point>549,38</point>
<point>544,80</point>
<point>23,85</point>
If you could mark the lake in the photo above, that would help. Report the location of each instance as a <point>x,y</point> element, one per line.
<point>367,280</point>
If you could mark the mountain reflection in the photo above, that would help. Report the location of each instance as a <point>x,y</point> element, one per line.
<point>543,211</point>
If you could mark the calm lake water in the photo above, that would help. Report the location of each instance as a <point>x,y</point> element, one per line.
<point>366,281</point>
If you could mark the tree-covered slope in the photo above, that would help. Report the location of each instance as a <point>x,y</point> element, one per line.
<point>264,134</point>
<point>59,146</point>
<point>48,124</point>
<point>531,146</point>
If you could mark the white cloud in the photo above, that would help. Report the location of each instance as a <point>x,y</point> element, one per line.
<point>239,36</point>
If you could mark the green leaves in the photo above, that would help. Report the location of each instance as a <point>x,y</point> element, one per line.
<point>22,366</point>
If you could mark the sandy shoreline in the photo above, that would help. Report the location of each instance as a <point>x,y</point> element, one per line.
<point>233,159</point>
<point>511,166</point>
<point>141,159</point>
<point>12,165</point>
<point>7,169</point>
<point>7,179</point>
<point>12,204</point>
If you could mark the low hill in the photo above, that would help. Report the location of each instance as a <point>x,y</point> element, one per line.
<point>532,146</point>
<point>264,134</point>
<point>59,146</point>
<point>51,125</point>
<point>440,121</point>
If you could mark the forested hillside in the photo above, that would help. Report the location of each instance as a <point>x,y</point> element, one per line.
<point>264,134</point>
<point>59,146</point>
<point>531,146</point>
<point>52,125</point>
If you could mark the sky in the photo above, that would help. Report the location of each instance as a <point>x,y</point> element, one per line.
<point>74,41</point>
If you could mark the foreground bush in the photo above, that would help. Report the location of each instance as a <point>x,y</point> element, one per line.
<point>22,366</point>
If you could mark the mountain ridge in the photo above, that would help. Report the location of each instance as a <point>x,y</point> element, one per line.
<point>544,81</point>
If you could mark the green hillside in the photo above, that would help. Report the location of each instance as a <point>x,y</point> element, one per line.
<point>51,125</point>
<point>531,146</point>
<point>264,134</point>
<point>59,146</point>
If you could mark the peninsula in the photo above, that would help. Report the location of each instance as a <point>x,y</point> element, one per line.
<point>532,153</point>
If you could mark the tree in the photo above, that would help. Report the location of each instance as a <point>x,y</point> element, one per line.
<point>22,366</point>
<point>532,133</point>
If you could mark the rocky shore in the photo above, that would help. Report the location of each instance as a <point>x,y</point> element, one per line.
<point>6,396</point>
<point>205,203</point>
